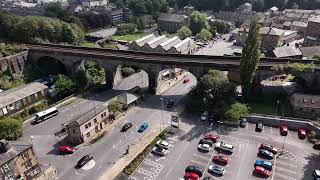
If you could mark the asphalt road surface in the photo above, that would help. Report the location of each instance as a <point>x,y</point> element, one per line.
<point>296,163</point>
<point>108,149</point>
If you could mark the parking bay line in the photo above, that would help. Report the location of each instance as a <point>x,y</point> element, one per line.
<point>247,144</point>
<point>197,162</point>
<point>285,170</point>
<point>179,157</point>
<point>283,176</point>
<point>201,157</point>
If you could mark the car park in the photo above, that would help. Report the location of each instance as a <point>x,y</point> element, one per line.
<point>243,122</point>
<point>143,127</point>
<point>66,149</point>
<point>204,147</point>
<point>220,159</point>
<point>204,116</point>
<point>126,127</point>
<point>170,104</point>
<point>265,164</point>
<point>262,171</point>
<point>225,147</point>
<point>206,141</point>
<point>212,137</point>
<point>302,133</point>
<point>259,127</point>
<point>284,130</point>
<point>162,144</point>
<point>194,169</point>
<point>265,154</point>
<point>159,151</point>
<point>269,147</point>
<point>316,145</point>
<point>216,169</point>
<point>191,176</point>
<point>186,80</point>
<point>316,174</point>
<point>84,160</point>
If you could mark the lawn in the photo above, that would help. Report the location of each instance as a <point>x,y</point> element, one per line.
<point>129,37</point>
<point>88,44</point>
<point>267,105</point>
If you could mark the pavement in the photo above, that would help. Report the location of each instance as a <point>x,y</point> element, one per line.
<point>110,148</point>
<point>296,163</point>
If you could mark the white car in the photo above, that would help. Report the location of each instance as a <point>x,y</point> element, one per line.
<point>159,151</point>
<point>216,169</point>
<point>204,116</point>
<point>162,144</point>
<point>224,147</point>
<point>316,174</point>
<point>204,147</point>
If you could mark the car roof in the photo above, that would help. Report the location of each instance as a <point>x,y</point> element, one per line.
<point>317,172</point>
<point>260,168</point>
<point>217,167</point>
<point>266,151</point>
<point>163,142</point>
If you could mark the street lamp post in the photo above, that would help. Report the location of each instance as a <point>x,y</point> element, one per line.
<point>277,107</point>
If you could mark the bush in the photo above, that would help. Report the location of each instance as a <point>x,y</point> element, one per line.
<point>127,71</point>
<point>235,111</point>
<point>300,67</point>
<point>10,129</point>
<point>128,28</point>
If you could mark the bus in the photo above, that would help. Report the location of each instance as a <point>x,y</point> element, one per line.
<point>46,114</point>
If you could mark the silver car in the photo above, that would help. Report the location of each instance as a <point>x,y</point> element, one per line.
<point>159,151</point>
<point>216,169</point>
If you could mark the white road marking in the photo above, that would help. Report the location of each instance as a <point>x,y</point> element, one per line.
<point>284,176</point>
<point>285,170</point>
<point>179,157</point>
<point>274,167</point>
<point>201,157</point>
<point>197,162</point>
<point>287,164</point>
<point>245,150</point>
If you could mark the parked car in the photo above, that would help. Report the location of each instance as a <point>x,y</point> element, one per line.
<point>243,122</point>
<point>265,154</point>
<point>269,147</point>
<point>84,160</point>
<point>265,164</point>
<point>302,133</point>
<point>316,145</point>
<point>170,104</point>
<point>261,171</point>
<point>186,80</point>
<point>212,137</point>
<point>194,169</point>
<point>66,149</point>
<point>284,130</point>
<point>316,174</point>
<point>259,127</point>
<point>206,178</point>
<point>206,141</point>
<point>191,176</point>
<point>225,147</point>
<point>216,169</point>
<point>162,144</point>
<point>126,127</point>
<point>204,147</point>
<point>204,116</point>
<point>143,127</point>
<point>220,159</point>
<point>159,151</point>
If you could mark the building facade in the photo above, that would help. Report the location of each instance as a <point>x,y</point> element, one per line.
<point>15,100</point>
<point>305,105</point>
<point>18,161</point>
<point>171,23</point>
<point>88,4</point>
<point>312,37</point>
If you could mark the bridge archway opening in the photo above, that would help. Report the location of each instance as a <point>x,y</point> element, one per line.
<point>49,65</point>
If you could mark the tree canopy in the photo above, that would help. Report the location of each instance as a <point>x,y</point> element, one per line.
<point>204,35</point>
<point>10,129</point>
<point>198,21</point>
<point>115,106</point>
<point>235,111</point>
<point>184,32</point>
<point>64,84</point>
<point>141,24</point>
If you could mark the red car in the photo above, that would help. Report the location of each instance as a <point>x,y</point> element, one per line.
<point>186,80</point>
<point>317,145</point>
<point>191,176</point>
<point>211,137</point>
<point>66,149</point>
<point>284,130</point>
<point>261,171</point>
<point>269,147</point>
<point>220,159</point>
<point>302,133</point>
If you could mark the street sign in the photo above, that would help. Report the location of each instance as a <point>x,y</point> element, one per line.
<point>174,121</point>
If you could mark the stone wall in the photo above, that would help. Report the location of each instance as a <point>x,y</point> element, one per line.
<point>14,63</point>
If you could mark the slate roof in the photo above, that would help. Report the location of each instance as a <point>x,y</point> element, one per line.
<point>315,19</point>
<point>15,149</point>
<point>171,17</point>
<point>271,31</point>
<point>286,51</point>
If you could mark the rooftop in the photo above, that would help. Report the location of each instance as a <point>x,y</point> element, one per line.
<point>15,149</point>
<point>286,51</point>
<point>315,19</point>
<point>171,17</point>
<point>271,31</point>
<point>310,51</point>
<point>88,115</point>
<point>11,96</point>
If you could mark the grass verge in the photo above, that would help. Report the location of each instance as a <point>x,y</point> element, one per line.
<point>137,161</point>
<point>129,37</point>
<point>67,102</point>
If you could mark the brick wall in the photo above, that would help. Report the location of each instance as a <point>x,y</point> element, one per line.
<point>14,63</point>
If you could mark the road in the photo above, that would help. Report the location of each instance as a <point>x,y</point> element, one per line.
<point>108,149</point>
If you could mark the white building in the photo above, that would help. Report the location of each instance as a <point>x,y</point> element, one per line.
<point>94,3</point>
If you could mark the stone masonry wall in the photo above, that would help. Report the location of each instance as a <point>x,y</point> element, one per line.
<point>14,63</point>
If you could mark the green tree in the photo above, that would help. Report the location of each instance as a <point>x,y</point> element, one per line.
<point>184,32</point>
<point>316,56</point>
<point>127,71</point>
<point>141,24</point>
<point>204,35</point>
<point>115,106</point>
<point>235,111</point>
<point>128,28</point>
<point>55,10</point>
<point>64,84</point>
<point>10,129</point>
<point>222,26</point>
<point>198,21</point>
<point>68,35</point>
<point>250,57</point>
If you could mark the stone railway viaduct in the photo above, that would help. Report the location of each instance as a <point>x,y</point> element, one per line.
<point>152,63</point>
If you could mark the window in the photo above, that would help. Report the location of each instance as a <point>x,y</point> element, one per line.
<point>73,130</point>
<point>312,101</point>
<point>104,114</point>
<point>86,126</point>
<point>89,124</point>
<point>35,96</point>
<point>27,164</point>
<point>95,120</point>
<point>305,100</point>
<point>88,134</point>
<point>29,99</point>
<point>9,177</point>
<point>25,155</point>
<point>101,115</point>
<point>42,92</point>
<point>5,168</point>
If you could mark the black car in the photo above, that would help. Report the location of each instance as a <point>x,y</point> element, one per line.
<point>259,127</point>
<point>84,160</point>
<point>265,154</point>
<point>194,169</point>
<point>207,178</point>
<point>243,122</point>
<point>126,127</point>
<point>170,104</point>
<point>206,141</point>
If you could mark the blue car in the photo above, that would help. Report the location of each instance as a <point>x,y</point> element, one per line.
<point>143,127</point>
<point>265,164</point>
